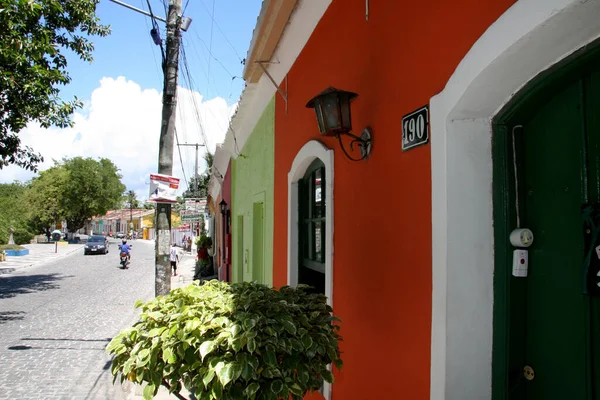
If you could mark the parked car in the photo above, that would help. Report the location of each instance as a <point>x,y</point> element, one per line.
<point>96,244</point>
<point>120,235</point>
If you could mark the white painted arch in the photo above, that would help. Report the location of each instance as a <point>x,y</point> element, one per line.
<point>307,154</point>
<point>527,39</point>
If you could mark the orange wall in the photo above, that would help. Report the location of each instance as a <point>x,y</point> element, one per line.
<point>396,62</point>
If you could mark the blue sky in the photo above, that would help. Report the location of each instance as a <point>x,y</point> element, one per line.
<point>130,52</point>
<point>122,90</point>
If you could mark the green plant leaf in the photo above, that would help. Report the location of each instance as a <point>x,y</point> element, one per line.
<point>338,364</point>
<point>208,377</point>
<point>289,326</point>
<point>156,332</point>
<point>276,386</point>
<point>217,391</point>
<point>303,375</point>
<point>307,341</point>
<point>236,370</point>
<point>251,345</point>
<point>295,389</point>
<point>149,391</point>
<point>248,324</point>
<point>253,361</point>
<point>206,348</point>
<point>270,358</point>
<point>251,389</point>
<point>327,375</point>
<point>225,373</point>
<point>235,329</point>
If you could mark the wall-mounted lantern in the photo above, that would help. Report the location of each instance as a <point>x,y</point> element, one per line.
<point>224,207</point>
<point>332,107</point>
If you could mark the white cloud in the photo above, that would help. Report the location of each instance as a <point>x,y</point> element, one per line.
<point>121,121</point>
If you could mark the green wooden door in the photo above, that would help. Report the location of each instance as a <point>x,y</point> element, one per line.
<point>553,327</point>
<point>258,233</point>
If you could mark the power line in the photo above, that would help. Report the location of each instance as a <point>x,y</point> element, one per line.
<point>219,28</point>
<point>181,160</point>
<point>226,117</point>
<point>188,77</point>
<point>158,70</point>
<point>212,23</point>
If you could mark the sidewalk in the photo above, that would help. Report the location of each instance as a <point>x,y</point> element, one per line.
<point>39,254</point>
<point>185,276</point>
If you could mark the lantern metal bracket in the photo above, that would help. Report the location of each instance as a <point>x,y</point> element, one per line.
<point>364,143</point>
<point>283,94</point>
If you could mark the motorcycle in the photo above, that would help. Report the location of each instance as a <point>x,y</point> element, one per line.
<point>124,260</point>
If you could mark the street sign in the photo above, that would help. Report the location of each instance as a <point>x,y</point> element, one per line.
<point>190,217</point>
<point>415,128</point>
<point>195,205</point>
<point>163,188</point>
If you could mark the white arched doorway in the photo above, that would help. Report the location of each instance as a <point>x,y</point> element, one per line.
<point>529,38</point>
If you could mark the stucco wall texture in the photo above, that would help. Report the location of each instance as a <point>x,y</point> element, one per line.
<point>396,61</point>
<point>252,181</point>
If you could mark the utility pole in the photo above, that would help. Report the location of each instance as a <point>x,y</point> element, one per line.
<point>175,22</point>
<point>131,197</point>
<point>162,284</point>
<point>196,176</point>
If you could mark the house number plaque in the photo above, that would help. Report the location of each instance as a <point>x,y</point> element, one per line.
<point>415,128</point>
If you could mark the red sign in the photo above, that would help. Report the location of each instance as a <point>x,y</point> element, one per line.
<point>163,188</point>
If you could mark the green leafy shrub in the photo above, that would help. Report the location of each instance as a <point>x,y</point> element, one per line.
<point>23,236</point>
<point>204,241</point>
<point>203,269</point>
<point>243,341</point>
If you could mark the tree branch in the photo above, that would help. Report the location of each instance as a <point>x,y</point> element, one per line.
<point>165,384</point>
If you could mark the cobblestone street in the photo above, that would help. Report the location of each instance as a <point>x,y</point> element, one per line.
<point>57,318</point>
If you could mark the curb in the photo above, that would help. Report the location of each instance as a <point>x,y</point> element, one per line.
<point>6,268</point>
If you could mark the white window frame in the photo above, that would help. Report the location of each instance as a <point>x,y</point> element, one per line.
<point>304,158</point>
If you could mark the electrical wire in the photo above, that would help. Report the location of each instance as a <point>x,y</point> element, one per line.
<point>187,76</point>
<point>212,23</point>
<point>220,30</point>
<point>181,160</point>
<point>224,116</point>
<point>158,70</point>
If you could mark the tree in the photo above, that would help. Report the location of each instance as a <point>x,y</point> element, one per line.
<point>14,214</point>
<point>93,188</point>
<point>148,205</point>
<point>43,197</point>
<point>200,188</point>
<point>35,34</point>
<point>76,190</point>
<point>130,200</point>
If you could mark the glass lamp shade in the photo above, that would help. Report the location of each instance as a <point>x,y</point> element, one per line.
<point>332,107</point>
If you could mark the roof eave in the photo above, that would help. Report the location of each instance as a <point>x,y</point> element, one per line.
<point>272,20</point>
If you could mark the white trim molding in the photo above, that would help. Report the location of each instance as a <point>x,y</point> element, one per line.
<point>527,39</point>
<point>256,96</point>
<point>307,154</point>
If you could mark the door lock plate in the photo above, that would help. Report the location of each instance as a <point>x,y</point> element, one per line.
<point>529,373</point>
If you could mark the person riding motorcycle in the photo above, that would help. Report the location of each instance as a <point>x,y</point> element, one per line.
<point>124,247</point>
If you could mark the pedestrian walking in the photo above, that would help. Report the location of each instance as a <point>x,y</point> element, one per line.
<point>174,257</point>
